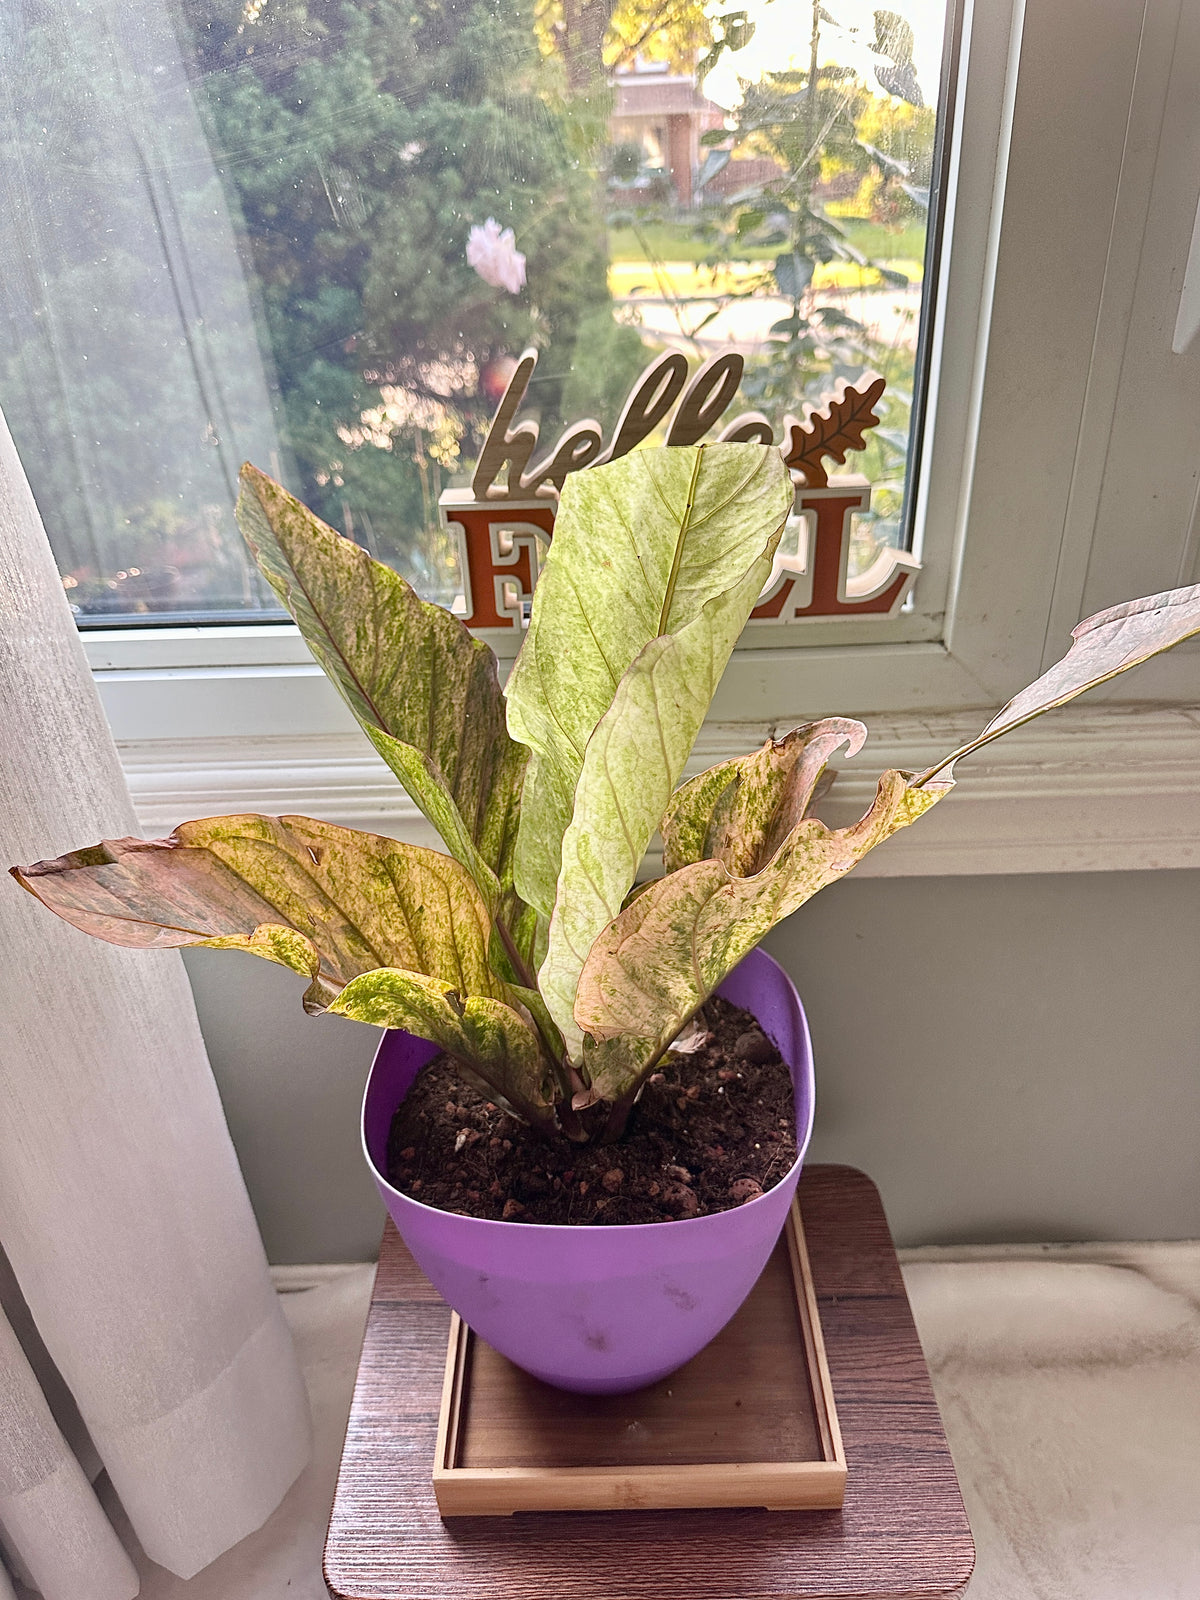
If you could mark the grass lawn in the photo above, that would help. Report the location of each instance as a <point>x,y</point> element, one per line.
<point>685,280</point>
<point>902,249</point>
<point>670,241</point>
<point>878,243</point>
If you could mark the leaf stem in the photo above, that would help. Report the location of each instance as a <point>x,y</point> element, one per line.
<point>520,967</point>
<point>618,1117</point>
<point>568,1121</point>
<point>565,1075</point>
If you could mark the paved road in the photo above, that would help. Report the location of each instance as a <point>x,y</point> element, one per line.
<point>889,315</point>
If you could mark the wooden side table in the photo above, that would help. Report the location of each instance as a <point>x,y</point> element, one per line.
<point>902,1532</point>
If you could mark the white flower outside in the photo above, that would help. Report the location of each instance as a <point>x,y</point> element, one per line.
<point>494,255</point>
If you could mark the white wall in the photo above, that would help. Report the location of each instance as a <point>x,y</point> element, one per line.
<point>1008,1057</point>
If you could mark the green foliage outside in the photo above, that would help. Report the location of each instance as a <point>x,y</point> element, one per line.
<point>360,143</point>
<point>272,263</point>
<point>350,146</point>
<point>131,447</point>
<point>842,204</point>
<point>670,240</point>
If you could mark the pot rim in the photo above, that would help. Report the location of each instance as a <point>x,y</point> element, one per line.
<point>625,1229</point>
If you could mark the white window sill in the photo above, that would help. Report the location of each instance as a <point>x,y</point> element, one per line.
<point>1103,788</point>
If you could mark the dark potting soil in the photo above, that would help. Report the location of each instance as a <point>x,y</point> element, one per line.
<point>711,1130</point>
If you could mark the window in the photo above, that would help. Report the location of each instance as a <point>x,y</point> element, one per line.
<point>320,237</point>
<point>1057,471</point>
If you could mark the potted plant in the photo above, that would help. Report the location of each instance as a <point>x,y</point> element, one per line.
<point>556,987</point>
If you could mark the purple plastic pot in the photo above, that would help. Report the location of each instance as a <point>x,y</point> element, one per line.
<point>600,1310</point>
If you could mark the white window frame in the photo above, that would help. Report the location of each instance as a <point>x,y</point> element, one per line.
<point>1073,192</point>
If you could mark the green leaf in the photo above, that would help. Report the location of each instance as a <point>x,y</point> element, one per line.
<point>496,1044</point>
<point>740,811</point>
<point>657,561</point>
<point>387,933</point>
<point>329,902</point>
<point>669,949</point>
<point>423,688</point>
<point>739,30</point>
<point>632,761</point>
<point>1104,645</point>
<point>793,274</point>
<point>715,161</point>
<point>627,564</point>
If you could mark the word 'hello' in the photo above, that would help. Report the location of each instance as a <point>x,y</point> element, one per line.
<point>702,403</point>
<point>504,526</point>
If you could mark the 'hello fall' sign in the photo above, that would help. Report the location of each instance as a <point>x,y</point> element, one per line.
<point>505,520</point>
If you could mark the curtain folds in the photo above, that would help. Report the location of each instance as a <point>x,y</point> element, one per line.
<point>52,1521</point>
<point>122,1209</point>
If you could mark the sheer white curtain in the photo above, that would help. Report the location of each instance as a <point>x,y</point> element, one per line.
<point>131,372</point>
<point>122,1209</point>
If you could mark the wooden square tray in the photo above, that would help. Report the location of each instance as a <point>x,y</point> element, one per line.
<point>750,1421</point>
<point>901,1530</point>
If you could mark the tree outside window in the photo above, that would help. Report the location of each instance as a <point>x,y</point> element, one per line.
<point>241,229</point>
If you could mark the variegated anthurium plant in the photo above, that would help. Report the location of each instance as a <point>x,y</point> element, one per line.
<point>527,952</point>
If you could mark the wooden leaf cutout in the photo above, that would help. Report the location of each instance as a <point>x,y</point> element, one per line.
<point>839,426</point>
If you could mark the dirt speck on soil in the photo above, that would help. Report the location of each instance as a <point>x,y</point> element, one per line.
<point>712,1130</point>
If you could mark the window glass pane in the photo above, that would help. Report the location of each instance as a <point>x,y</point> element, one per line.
<point>317,236</point>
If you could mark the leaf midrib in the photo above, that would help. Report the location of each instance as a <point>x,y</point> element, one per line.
<point>367,697</point>
<point>677,559</point>
<point>334,648</point>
